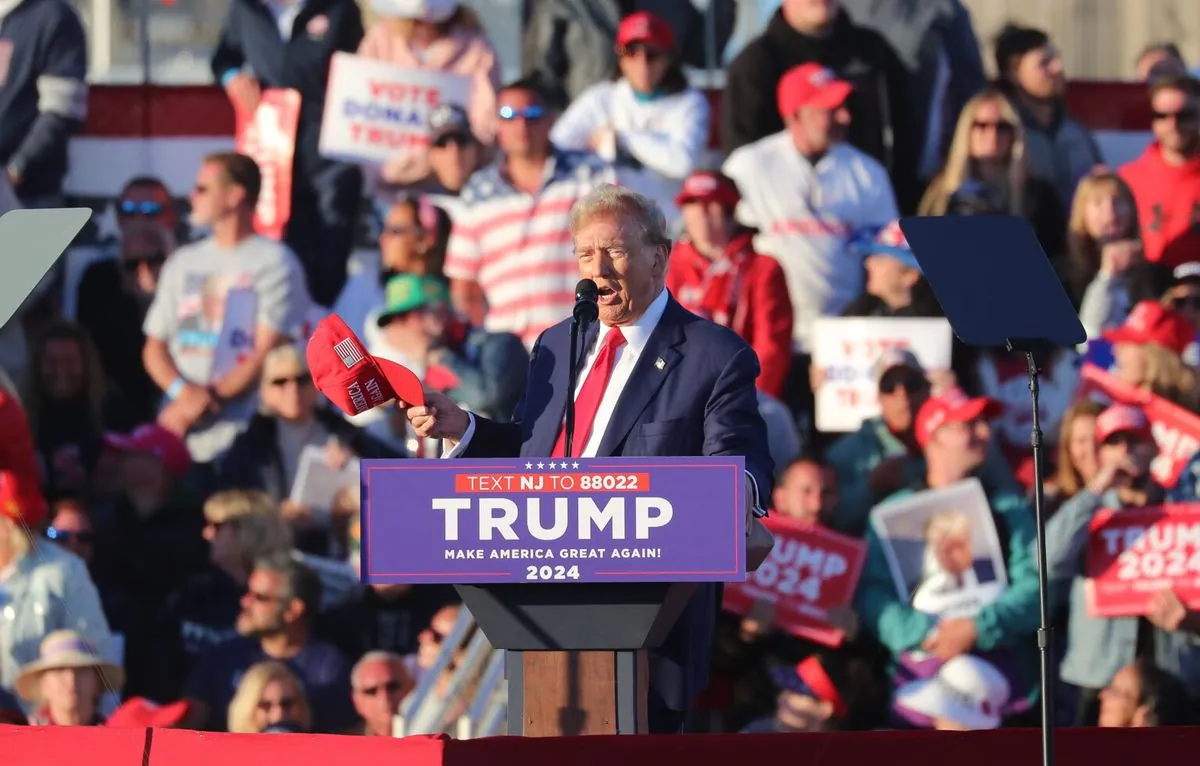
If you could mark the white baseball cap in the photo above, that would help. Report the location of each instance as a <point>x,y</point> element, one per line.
<point>966,690</point>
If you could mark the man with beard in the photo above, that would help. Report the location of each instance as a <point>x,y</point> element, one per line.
<point>278,609</point>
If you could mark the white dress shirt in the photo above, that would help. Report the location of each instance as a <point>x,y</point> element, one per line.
<point>636,335</point>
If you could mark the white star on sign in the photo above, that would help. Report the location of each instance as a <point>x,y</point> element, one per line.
<point>541,465</point>
<point>575,465</point>
<point>528,466</point>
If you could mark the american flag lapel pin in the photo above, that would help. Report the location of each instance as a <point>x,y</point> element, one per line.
<point>660,363</point>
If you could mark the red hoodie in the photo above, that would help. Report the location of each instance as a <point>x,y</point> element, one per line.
<point>745,292</point>
<point>1168,205</point>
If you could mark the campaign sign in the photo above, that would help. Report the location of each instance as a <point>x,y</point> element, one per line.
<point>375,109</point>
<point>549,520</point>
<point>1176,430</point>
<point>846,350</point>
<point>1135,553</point>
<point>268,135</point>
<point>810,570</point>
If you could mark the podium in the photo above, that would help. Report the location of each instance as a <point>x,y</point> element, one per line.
<point>577,569</point>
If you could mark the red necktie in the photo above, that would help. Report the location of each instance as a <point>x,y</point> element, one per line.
<point>590,394</point>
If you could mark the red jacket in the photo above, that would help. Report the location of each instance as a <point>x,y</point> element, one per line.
<point>1168,205</point>
<point>745,292</point>
<point>18,456</point>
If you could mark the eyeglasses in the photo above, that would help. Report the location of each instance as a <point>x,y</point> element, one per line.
<point>1000,126</point>
<point>909,382</point>
<point>391,687</point>
<point>302,379</point>
<point>1183,115</point>
<point>66,536</point>
<point>529,114</point>
<point>148,209</point>
<point>132,263</point>
<point>457,139</point>
<point>634,49</point>
<point>1186,302</point>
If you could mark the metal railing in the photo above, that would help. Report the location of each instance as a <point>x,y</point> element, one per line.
<point>479,675</point>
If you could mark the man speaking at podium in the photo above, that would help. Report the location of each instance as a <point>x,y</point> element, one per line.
<point>655,380</point>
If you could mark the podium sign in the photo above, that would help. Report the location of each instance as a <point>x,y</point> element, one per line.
<point>537,520</point>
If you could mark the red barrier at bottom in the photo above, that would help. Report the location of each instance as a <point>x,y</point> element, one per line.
<point>54,746</point>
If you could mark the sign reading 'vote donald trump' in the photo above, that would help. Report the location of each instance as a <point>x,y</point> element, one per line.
<point>554,520</point>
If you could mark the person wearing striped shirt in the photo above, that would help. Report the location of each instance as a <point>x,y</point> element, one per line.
<point>510,260</point>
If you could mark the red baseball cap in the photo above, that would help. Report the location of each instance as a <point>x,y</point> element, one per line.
<point>141,713</point>
<point>953,406</point>
<point>811,85</point>
<point>1121,418</point>
<point>645,27</point>
<point>1152,322</point>
<point>351,378</point>
<point>707,186</point>
<point>153,439</point>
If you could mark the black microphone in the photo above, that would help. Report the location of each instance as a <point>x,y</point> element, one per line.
<point>586,295</point>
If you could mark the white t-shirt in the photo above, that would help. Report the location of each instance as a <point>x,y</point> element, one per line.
<point>807,215</point>
<point>188,314</point>
<point>666,135</point>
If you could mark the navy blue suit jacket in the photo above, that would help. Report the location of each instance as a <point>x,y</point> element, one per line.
<point>702,402</point>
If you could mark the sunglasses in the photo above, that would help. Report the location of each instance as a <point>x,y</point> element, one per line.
<point>910,383</point>
<point>1185,302</point>
<point>303,379</point>
<point>529,114</point>
<point>64,536</point>
<point>154,259</point>
<point>285,704</point>
<point>1183,115</point>
<point>129,207</point>
<point>1000,126</point>
<point>391,687</point>
<point>457,139</point>
<point>633,50</point>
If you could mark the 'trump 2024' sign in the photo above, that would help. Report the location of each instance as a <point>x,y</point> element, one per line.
<point>543,520</point>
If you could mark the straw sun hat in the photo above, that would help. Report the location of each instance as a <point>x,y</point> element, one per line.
<point>65,649</point>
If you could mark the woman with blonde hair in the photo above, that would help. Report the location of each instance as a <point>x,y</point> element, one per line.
<point>439,36</point>
<point>987,153</point>
<point>1148,349</point>
<point>269,695</point>
<point>1103,267</point>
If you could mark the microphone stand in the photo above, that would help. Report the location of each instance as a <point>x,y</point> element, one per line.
<point>572,382</point>
<point>1045,634</point>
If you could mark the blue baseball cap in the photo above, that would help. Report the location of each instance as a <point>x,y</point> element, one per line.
<point>890,241</point>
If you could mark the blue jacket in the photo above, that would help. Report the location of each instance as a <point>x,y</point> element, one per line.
<point>250,43</point>
<point>700,401</point>
<point>43,95</point>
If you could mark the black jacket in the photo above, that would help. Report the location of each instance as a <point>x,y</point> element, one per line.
<point>749,109</point>
<point>253,460</point>
<point>250,40</point>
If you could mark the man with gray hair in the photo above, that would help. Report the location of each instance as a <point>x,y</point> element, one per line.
<point>379,682</point>
<point>656,380</point>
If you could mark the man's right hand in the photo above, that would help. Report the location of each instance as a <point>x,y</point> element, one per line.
<point>439,418</point>
<point>1111,474</point>
<point>245,92</point>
